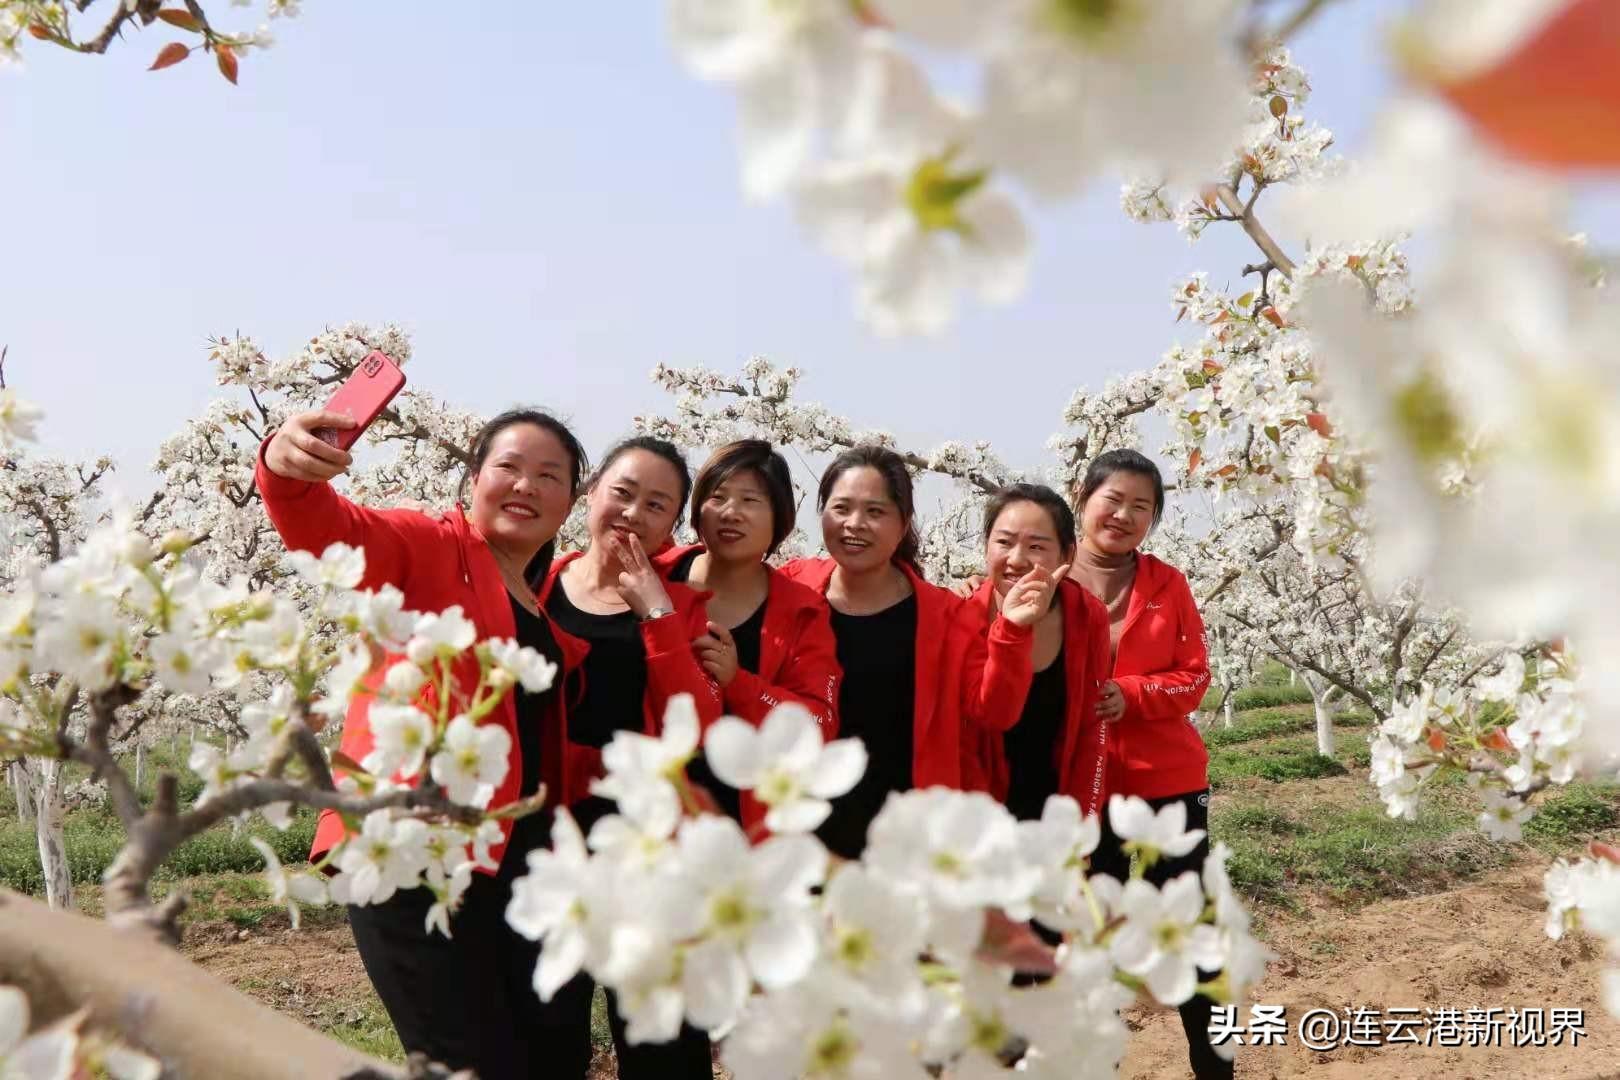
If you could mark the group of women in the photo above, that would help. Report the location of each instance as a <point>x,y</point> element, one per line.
<point>1072,668</point>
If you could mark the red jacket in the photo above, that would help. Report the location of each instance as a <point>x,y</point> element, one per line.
<point>969,672</point>
<point>798,660</point>
<point>1162,669</point>
<point>671,669</point>
<point>1083,757</point>
<point>437,562</point>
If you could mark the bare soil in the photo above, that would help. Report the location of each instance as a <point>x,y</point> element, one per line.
<point>1477,946</point>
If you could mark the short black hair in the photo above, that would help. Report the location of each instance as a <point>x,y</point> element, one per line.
<point>750,455</point>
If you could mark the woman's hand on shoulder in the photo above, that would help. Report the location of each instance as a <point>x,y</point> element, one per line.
<point>296,452</point>
<point>966,587</point>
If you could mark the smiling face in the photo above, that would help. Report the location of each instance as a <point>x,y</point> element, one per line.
<point>861,523</point>
<point>1022,538</point>
<point>638,493</point>
<point>521,494</point>
<point>1118,515</point>
<point>735,522</point>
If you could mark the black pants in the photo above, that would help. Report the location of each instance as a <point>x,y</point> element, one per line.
<point>468,1001</point>
<point>1110,859</point>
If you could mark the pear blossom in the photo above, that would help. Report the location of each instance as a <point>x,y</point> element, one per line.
<point>1504,816</point>
<point>290,889</point>
<point>340,566</point>
<point>792,65</point>
<point>473,762</point>
<point>904,206</point>
<point>402,735</point>
<point>755,905</point>
<point>876,930</point>
<point>959,848</point>
<point>345,679</point>
<point>807,1031</point>
<point>403,679</point>
<point>1161,833</point>
<point>528,666</point>
<point>45,1055</point>
<point>388,854</point>
<point>186,663</point>
<point>1156,84</point>
<point>784,764</point>
<point>554,904</point>
<point>441,635</point>
<point>382,614</point>
<point>642,770</point>
<point>1060,843</point>
<point>1162,939</point>
<point>17,418</point>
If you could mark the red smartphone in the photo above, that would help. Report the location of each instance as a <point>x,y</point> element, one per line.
<point>364,395</point>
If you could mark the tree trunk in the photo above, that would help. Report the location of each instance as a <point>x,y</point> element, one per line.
<point>140,764</point>
<point>50,815</point>
<point>1226,707</point>
<point>22,788</point>
<point>1324,699</point>
<point>195,1022</point>
<point>1291,677</point>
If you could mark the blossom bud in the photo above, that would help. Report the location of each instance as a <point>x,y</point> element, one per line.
<point>177,542</point>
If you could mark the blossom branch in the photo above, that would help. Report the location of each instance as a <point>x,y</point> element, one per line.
<point>1244,214</point>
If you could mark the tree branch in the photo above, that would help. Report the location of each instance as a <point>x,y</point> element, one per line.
<point>1257,232</point>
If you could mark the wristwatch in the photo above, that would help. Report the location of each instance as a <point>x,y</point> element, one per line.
<point>657,613</point>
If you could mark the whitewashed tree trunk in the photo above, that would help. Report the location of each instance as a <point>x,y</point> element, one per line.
<point>1291,677</point>
<point>1325,701</point>
<point>50,816</point>
<point>1226,708</point>
<point>22,787</point>
<point>140,764</point>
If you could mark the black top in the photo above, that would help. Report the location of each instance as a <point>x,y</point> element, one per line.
<point>529,833</point>
<point>1033,744</point>
<point>615,670</point>
<point>746,634</point>
<point>878,653</point>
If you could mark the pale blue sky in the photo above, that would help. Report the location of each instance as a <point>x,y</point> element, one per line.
<point>544,199</point>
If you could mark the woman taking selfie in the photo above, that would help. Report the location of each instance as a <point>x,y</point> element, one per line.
<point>769,638</point>
<point>918,663</point>
<point>1058,744</point>
<point>640,631</point>
<point>466,1001</point>
<point>1161,671</point>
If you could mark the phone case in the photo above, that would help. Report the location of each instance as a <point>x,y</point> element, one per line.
<point>364,395</point>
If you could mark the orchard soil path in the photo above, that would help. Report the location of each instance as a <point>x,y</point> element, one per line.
<point>1479,945</point>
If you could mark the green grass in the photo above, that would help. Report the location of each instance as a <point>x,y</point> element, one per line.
<point>1260,697</point>
<point>1271,721</point>
<point>94,837</point>
<point>1295,837</point>
<point>1353,855</point>
<point>1289,757</point>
